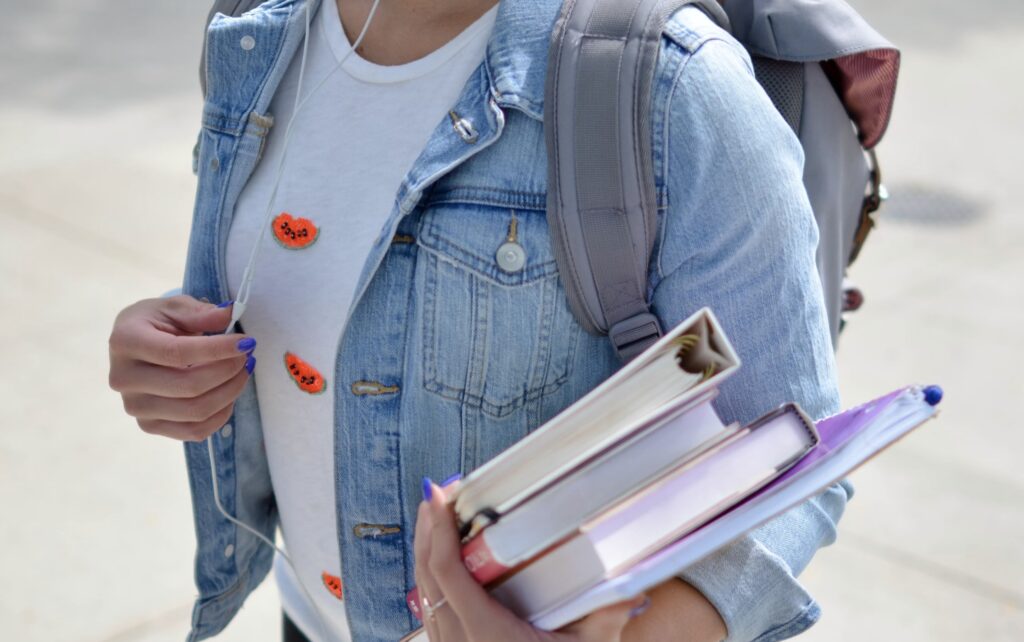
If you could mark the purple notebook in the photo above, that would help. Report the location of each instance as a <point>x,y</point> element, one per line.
<point>837,430</point>
<point>847,440</point>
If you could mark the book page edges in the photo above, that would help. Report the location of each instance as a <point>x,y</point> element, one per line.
<point>467,506</point>
<point>795,490</point>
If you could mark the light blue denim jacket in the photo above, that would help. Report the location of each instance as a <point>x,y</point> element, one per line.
<point>447,359</point>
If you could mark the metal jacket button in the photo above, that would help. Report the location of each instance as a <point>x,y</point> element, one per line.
<point>375,530</point>
<point>247,43</point>
<point>511,257</point>
<point>360,388</point>
<point>463,127</point>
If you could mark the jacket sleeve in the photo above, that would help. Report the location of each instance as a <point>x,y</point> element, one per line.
<point>738,235</point>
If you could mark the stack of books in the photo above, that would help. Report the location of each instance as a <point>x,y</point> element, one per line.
<point>641,478</point>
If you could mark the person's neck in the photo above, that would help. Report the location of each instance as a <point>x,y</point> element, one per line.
<point>405,30</point>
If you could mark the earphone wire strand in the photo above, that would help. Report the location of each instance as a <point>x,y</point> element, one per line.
<point>300,102</point>
<point>247,277</point>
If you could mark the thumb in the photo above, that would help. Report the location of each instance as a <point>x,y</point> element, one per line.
<point>194,316</point>
<point>606,624</point>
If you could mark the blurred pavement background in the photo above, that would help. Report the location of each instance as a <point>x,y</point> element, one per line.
<point>99,109</point>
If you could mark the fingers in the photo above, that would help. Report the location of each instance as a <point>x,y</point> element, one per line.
<point>185,431</point>
<point>173,380</point>
<point>606,624</point>
<point>194,316</point>
<point>442,624</point>
<point>151,345</point>
<point>479,614</point>
<point>427,588</point>
<point>162,332</point>
<point>178,383</point>
<point>188,410</point>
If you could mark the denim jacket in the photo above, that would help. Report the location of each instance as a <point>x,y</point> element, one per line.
<point>447,359</point>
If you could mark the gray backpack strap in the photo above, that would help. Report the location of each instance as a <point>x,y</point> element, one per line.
<point>602,208</point>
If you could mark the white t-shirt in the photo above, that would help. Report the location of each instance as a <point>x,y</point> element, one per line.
<point>351,145</point>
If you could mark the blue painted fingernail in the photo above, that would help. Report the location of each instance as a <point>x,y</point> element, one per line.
<point>250,364</point>
<point>428,490</point>
<point>246,344</point>
<point>226,304</point>
<point>454,478</point>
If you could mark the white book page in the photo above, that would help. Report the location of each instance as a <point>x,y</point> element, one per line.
<point>564,507</point>
<point>641,389</point>
<point>655,518</point>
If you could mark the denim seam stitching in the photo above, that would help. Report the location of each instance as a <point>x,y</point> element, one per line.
<point>520,199</point>
<point>676,83</point>
<point>431,378</point>
<point>282,37</point>
<point>489,407</point>
<point>484,268</point>
<point>400,467</point>
<point>808,616</point>
<point>203,605</point>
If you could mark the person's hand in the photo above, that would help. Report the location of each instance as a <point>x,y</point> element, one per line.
<point>174,380</point>
<point>468,613</point>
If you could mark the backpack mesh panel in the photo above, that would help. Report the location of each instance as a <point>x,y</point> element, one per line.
<point>784,83</point>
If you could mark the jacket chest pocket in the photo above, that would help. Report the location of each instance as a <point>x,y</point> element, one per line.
<point>497,330</point>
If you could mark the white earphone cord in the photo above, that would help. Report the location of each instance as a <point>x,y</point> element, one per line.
<point>247,277</point>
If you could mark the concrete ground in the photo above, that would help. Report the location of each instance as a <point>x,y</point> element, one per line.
<point>98,112</point>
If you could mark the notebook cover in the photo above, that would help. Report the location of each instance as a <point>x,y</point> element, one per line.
<point>829,462</point>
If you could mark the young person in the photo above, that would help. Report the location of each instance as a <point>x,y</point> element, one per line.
<point>395,343</point>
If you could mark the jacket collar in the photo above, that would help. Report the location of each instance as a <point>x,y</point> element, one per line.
<point>517,53</point>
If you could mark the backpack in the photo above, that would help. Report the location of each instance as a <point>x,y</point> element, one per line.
<point>831,76</point>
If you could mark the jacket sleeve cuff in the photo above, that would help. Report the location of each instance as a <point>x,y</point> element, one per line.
<point>752,581</point>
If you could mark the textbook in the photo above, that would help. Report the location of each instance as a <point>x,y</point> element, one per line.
<point>558,511</point>
<point>844,442</point>
<point>696,491</point>
<point>847,441</point>
<point>690,360</point>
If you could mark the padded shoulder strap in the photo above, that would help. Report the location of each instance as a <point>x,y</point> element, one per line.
<point>602,209</point>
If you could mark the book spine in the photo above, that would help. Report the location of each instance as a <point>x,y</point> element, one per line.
<point>480,561</point>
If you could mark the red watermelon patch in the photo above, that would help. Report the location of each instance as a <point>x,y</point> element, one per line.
<point>294,233</point>
<point>332,583</point>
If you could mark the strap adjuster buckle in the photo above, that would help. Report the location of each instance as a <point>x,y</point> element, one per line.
<point>632,336</point>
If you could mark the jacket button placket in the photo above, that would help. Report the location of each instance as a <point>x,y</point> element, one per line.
<point>369,379</point>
